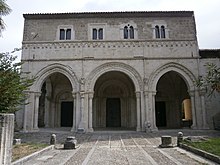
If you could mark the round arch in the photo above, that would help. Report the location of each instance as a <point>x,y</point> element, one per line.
<point>114,66</point>
<point>54,68</point>
<point>187,75</point>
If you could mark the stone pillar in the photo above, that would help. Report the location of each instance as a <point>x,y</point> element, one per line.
<point>138,96</point>
<point>204,122</point>
<point>147,112</point>
<point>142,112</point>
<point>6,138</point>
<point>81,127</point>
<point>36,109</point>
<point>90,112</point>
<point>74,112</point>
<point>192,97</point>
<point>25,114</point>
<point>152,116</point>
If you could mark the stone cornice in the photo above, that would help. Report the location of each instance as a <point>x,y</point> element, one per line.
<point>132,14</point>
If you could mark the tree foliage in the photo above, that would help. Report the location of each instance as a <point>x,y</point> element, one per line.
<point>210,81</point>
<point>13,83</point>
<point>4,10</point>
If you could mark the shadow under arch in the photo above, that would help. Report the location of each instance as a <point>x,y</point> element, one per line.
<point>42,75</point>
<point>185,74</point>
<point>114,66</point>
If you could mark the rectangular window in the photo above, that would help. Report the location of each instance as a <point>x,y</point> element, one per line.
<point>62,34</point>
<point>100,33</point>
<point>65,34</point>
<point>68,34</point>
<point>94,34</point>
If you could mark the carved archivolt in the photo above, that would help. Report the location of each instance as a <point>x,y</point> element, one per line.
<point>55,68</point>
<point>114,66</point>
<point>186,74</point>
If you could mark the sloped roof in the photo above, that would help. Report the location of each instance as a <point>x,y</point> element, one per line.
<point>209,53</point>
<point>109,14</point>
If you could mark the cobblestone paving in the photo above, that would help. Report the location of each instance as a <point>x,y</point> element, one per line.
<point>115,149</point>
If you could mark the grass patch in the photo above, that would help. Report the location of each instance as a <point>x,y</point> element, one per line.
<point>211,145</point>
<point>24,149</point>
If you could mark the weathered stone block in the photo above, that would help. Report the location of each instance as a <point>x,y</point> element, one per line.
<point>166,142</point>
<point>70,143</point>
<point>6,138</point>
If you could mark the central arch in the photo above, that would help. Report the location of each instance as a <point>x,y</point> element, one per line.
<point>116,83</point>
<point>114,101</point>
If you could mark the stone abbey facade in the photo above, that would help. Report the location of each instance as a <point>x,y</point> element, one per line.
<point>114,70</point>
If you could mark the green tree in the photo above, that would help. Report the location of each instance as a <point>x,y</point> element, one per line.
<point>13,83</point>
<point>210,81</point>
<point>4,10</point>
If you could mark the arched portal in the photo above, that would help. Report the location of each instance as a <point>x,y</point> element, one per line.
<point>56,102</point>
<point>114,103</point>
<point>172,102</point>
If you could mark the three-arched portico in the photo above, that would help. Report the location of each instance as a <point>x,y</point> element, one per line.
<point>111,83</point>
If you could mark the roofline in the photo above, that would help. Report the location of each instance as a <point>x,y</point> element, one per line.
<point>109,14</point>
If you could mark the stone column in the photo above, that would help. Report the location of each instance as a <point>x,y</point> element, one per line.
<point>142,112</point>
<point>192,98</point>
<point>147,112</point>
<point>204,122</point>
<point>74,112</point>
<point>154,127</point>
<point>81,127</point>
<point>25,113</point>
<point>36,109</point>
<point>138,96</point>
<point>90,112</point>
<point>6,138</point>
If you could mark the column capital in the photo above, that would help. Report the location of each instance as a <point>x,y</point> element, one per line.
<point>191,93</point>
<point>37,94</point>
<point>202,91</point>
<point>82,94</point>
<point>138,94</point>
<point>74,94</point>
<point>91,94</point>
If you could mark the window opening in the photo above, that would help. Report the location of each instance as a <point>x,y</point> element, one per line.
<point>100,33</point>
<point>131,32</point>
<point>162,32</point>
<point>94,34</point>
<point>65,34</point>
<point>125,32</point>
<point>157,32</point>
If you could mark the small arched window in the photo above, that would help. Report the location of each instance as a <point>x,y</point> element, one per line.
<point>162,30</point>
<point>94,34</point>
<point>157,31</point>
<point>131,31</point>
<point>100,33</point>
<point>125,32</point>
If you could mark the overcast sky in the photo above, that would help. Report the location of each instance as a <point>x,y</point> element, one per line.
<point>207,14</point>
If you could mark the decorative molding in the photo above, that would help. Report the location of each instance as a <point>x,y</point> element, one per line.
<point>54,68</point>
<point>186,74</point>
<point>114,66</point>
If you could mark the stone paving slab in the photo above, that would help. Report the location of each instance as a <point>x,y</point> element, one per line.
<point>117,148</point>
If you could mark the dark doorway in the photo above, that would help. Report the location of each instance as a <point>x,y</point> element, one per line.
<point>161,120</point>
<point>67,114</point>
<point>113,112</point>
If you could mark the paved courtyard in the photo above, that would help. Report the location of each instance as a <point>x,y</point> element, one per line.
<point>115,148</point>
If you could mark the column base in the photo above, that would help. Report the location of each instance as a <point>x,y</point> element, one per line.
<point>138,129</point>
<point>90,130</point>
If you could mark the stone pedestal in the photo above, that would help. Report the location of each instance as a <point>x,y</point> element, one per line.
<point>166,142</point>
<point>6,138</point>
<point>70,143</point>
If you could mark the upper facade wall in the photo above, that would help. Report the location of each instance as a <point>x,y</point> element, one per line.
<point>46,27</point>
